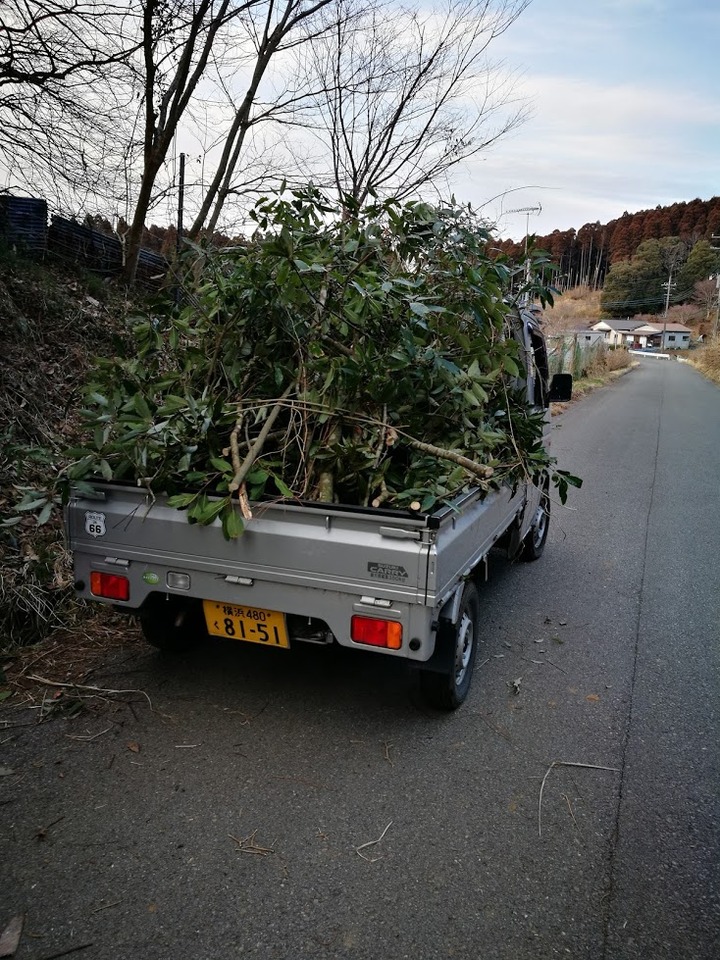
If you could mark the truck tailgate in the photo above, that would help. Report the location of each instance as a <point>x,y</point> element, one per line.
<point>284,544</point>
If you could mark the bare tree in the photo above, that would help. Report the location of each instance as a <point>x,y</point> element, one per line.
<point>63,88</point>
<point>94,93</point>
<point>705,294</point>
<point>407,94</point>
<point>279,27</point>
<point>177,42</point>
<point>673,252</point>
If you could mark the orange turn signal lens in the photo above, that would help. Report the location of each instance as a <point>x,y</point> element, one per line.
<point>111,586</point>
<point>376,633</point>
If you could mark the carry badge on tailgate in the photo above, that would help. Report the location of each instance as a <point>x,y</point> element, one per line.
<point>95,524</point>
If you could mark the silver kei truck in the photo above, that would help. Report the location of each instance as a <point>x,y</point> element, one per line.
<point>389,582</point>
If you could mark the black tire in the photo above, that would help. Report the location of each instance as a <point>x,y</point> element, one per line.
<point>535,539</point>
<point>446,691</point>
<point>171,625</point>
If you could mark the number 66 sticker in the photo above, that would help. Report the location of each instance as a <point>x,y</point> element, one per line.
<point>95,524</point>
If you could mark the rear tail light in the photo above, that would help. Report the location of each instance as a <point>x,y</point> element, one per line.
<point>376,633</point>
<point>111,586</point>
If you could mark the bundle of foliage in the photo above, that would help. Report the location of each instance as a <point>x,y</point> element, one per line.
<point>365,357</point>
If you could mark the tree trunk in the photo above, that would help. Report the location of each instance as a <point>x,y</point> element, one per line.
<point>133,241</point>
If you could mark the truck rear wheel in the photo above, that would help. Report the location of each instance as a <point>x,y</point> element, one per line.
<point>534,543</point>
<point>170,625</point>
<point>446,691</point>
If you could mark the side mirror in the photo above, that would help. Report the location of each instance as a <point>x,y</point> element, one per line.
<point>560,388</point>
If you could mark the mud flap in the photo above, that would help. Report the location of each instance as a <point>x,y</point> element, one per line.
<point>514,534</point>
<point>443,658</point>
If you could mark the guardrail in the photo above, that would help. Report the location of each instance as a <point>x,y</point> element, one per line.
<point>656,356</point>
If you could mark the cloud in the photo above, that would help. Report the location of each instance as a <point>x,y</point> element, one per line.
<point>595,149</point>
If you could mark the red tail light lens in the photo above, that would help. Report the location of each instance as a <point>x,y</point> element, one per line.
<point>111,586</point>
<point>376,633</point>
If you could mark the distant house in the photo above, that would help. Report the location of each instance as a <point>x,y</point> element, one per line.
<point>631,333</point>
<point>617,333</point>
<point>583,335</point>
<point>667,336</point>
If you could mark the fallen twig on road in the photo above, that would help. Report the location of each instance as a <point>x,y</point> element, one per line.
<point>572,814</point>
<point>565,763</point>
<point>88,738</point>
<point>95,691</point>
<point>41,832</point>
<point>248,845</point>
<point>547,660</point>
<point>371,843</point>
<point>106,906</point>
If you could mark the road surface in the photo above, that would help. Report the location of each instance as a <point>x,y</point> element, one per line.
<point>256,805</point>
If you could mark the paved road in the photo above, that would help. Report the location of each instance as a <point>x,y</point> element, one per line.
<point>611,642</point>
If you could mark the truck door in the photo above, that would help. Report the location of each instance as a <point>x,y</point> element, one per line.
<point>540,371</point>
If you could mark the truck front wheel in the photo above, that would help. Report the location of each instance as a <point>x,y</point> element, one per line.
<point>447,690</point>
<point>170,625</point>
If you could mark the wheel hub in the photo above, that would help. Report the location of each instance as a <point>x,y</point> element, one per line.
<point>463,648</point>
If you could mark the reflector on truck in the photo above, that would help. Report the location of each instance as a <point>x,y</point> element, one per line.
<point>110,586</point>
<point>376,633</point>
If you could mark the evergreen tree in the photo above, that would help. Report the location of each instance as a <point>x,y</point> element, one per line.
<point>636,286</point>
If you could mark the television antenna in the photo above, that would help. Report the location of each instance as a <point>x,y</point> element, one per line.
<point>528,211</point>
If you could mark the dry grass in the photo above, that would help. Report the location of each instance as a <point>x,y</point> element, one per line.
<point>52,327</point>
<point>577,308</point>
<point>707,360</point>
<point>604,362</point>
<point>580,308</point>
<point>617,360</point>
<point>68,657</point>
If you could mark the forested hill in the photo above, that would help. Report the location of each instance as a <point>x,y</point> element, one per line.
<point>584,256</point>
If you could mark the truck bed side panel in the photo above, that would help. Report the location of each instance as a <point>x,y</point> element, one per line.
<point>464,541</point>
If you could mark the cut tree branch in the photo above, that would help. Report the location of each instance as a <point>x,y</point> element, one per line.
<point>256,448</point>
<point>480,470</point>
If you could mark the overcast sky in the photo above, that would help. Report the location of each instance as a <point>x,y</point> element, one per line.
<point>625,97</point>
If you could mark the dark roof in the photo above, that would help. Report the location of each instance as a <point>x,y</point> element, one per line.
<point>621,326</point>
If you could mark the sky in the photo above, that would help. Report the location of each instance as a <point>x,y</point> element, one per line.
<point>625,114</point>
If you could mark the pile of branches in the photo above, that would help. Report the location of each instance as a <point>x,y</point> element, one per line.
<point>362,356</point>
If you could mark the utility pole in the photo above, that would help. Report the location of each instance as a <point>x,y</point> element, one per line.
<point>527,211</point>
<point>716,322</point>
<point>669,285</point>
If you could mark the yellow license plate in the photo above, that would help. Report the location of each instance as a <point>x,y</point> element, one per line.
<point>246,623</point>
